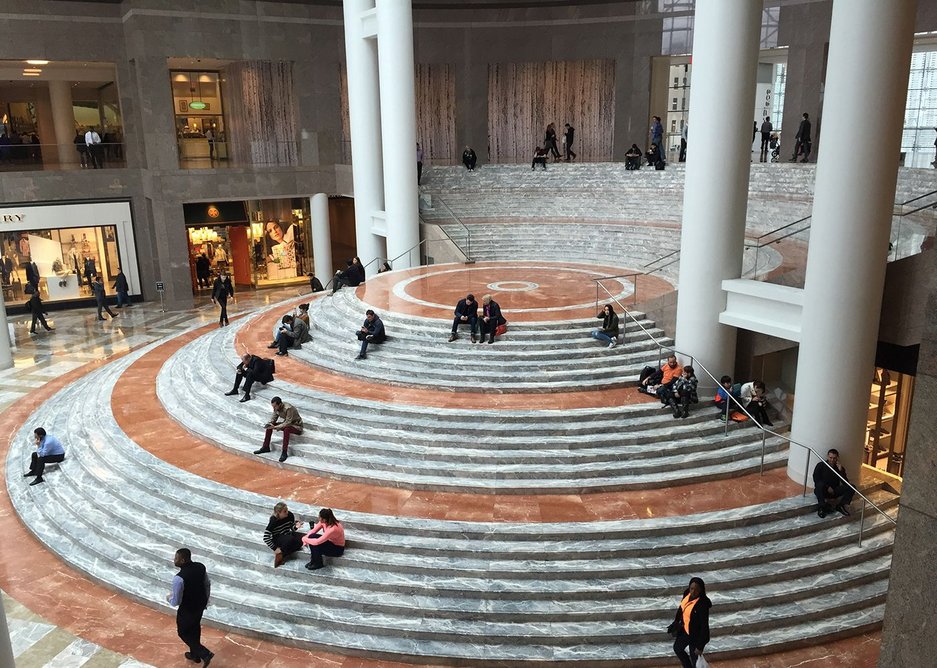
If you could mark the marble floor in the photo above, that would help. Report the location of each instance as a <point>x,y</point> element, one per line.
<point>44,636</point>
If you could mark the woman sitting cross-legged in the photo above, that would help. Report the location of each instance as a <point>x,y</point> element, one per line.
<point>330,544</point>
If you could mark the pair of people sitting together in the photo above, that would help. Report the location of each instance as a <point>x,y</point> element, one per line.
<point>325,538</point>
<point>491,323</point>
<point>292,332</point>
<point>673,384</point>
<point>750,395</point>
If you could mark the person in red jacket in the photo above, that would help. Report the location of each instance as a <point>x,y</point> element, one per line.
<point>331,543</point>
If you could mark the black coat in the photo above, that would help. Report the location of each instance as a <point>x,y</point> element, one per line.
<point>35,304</point>
<point>353,276</point>
<point>120,284</point>
<point>221,290</point>
<point>699,622</point>
<point>202,266</point>
<point>824,477</point>
<point>262,369</point>
<point>463,308</point>
<point>803,132</point>
<point>609,323</point>
<point>375,329</point>
<point>493,311</point>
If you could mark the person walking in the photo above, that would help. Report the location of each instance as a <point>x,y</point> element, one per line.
<point>684,134</point>
<point>550,142</point>
<point>690,626</point>
<point>802,140</point>
<point>191,590</point>
<point>97,287</point>
<point>220,291</point>
<point>203,271</point>
<point>93,143</point>
<point>36,310</point>
<point>122,288</point>
<point>49,450</point>
<point>419,164</point>
<point>766,129</point>
<point>568,136</point>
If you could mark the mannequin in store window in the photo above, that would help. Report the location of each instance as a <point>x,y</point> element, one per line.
<point>221,256</point>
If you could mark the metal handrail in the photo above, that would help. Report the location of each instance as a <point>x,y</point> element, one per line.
<point>634,293</point>
<point>764,432</point>
<point>663,257</point>
<point>468,233</point>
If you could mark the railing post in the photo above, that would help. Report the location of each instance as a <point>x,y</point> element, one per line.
<point>764,438</point>
<point>861,522</point>
<point>728,401</point>
<point>807,470</point>
<point>596,297</point>
<point>634,294</point>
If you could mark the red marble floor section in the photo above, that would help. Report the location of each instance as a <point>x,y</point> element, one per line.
<point>563,292</point>
<point>139,413</point>
<point>255,337</point>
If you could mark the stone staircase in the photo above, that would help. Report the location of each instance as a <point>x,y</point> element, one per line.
<point>459,593</point>
<point>531,357</point>
<point>536,451</point>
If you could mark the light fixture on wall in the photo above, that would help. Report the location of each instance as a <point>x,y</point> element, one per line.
<point>198,104</point>
<point>37,62</point>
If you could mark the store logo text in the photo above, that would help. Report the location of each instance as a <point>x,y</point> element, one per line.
<point>13,218</point>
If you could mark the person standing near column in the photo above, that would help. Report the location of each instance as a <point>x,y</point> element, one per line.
<point>419,164</point>
<point>191,590</point>
<point>97,287</point>
<point>220,291</point>
<point>766,130</point>
<point>93,142</point>
<point>568,136</point>
<point>657,132</point>
<point>802,143</point>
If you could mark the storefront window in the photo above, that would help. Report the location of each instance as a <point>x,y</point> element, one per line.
<point>200,124</point>
<point>280,251</point>
<point>887,424</point>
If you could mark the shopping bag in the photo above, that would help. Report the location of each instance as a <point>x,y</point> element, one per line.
<point>701,662</point>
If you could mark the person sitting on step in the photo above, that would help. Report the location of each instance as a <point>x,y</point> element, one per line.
<point>609,332</point>
<point>303,314</point>
<point>469,158</point>
<point>633,158</point>
<point>372,331</point>
<point>652,380</point>
<point>49,450</point>
<point>491,318</point>
<point>681,393</point>
<point>832,491</point>
<point>753,398</point>
<point>281,534</point>
<point>293,334</point>
<point>331,543</point>
<point>540,157</point>
<point>466,313</point>
<point>286,419</point>
<point>723,393</point>
<point>352,277</point>
<point>251,368</point>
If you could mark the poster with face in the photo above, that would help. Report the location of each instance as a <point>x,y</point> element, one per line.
<point>281,248</point>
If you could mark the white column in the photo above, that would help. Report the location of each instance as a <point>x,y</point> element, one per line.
<point>866,86</point>
<point>398,129</point>
<point>6,647</point>
<point>725,59</point>
<point>321,236</point>
<point>364,115</point>
<point>63,119</point>
<point>6,352</point>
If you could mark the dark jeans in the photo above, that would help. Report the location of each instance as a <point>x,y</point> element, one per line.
<point>842,495</point>
<point>102,304</point>
<point>551,146</point>
<point>365,339</point>
<point>284,341</point>
<point>632,163</point>
<point>680,646</point>
<point>95,156</point>
<point>203,281</point>
<point>682,157</point>
<point>123,299</point>
<point>539,161</point>
<point>419,172</point>
<point>223,317</point>
<point>289,542</point>
<point>326,549</point>
<point>759,412</point>
<point>41,319</point>
<point>286,438</point>
<point>471,322</point>
<point>488,328</point>
<point>569,151</point>
<point>189,628</point>
<point>469,164</point>
<point>37,464</point>
<point>247,377</point>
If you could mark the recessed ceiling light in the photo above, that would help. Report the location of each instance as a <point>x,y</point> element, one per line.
<point>30,74</point>
<point>37,62</point>
<point>32,69</point>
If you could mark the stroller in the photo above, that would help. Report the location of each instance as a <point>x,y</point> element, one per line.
<point>775,145</point>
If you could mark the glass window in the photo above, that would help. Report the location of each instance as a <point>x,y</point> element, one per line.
<point>200,122</point>
<point>920,119</point>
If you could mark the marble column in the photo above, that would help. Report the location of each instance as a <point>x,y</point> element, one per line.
<point>364,119</point>
<point>321,236</point>
<point>869,59</point>
<point>63,120</point>
<point>398,130</point>
<point>715,198</point>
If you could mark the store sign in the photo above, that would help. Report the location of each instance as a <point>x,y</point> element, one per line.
<point>198,105</point>
<point>13,218</point>
<point>213,212</point>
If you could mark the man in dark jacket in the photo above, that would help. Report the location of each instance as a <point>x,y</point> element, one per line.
<point>122,288</point>
<point>469,159</point>
<point>466,312</point>
<point>250,369</point>
<point>372,331</point>
<point>97,286</point>
<point>220,291</point>
<point>569,135</point>
<point>803,142</point>
<point>191,590</point>
<point>491,318</point>
<point>690,626</point>
<point>36,309</point>
<point>831,490</point>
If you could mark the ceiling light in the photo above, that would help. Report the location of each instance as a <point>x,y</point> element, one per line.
<point>32,69</point>
<point>37,62</point>
<point>30,74</point>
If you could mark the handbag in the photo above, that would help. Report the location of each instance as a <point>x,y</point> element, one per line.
<point>501,329</point>
<point>701,662</point>
<point>29,289</point>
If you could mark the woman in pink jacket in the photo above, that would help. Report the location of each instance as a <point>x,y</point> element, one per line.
<point>330,544</point>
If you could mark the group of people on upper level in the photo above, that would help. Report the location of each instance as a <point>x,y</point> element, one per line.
<point>489,324</point>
